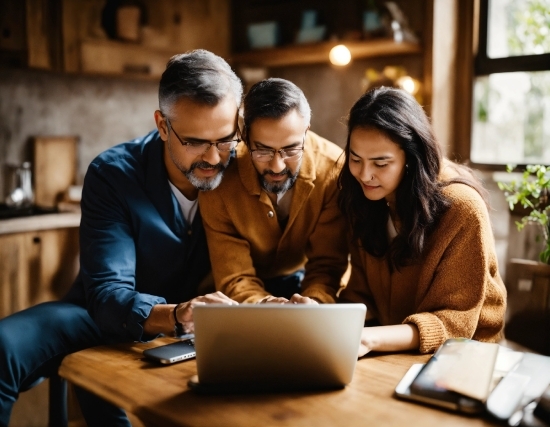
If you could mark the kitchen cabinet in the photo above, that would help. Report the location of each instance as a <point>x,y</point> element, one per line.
<point>36,266</point>
<point>69,36</point>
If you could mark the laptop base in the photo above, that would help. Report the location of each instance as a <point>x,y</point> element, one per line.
<point>251,388</point>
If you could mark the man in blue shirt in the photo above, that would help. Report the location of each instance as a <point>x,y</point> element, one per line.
<point>144,259</point>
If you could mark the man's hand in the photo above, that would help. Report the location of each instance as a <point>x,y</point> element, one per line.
<point>299,299</point>
<point>295,299</point>
<point>184,311</point>
<point>270,299</point>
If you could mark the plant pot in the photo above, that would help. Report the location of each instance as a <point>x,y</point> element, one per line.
<point>528,311</point>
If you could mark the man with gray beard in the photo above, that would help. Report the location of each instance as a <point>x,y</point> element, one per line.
<point>274,229</point>
<point>143,255</point>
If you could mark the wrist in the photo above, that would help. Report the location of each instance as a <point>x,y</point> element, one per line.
<point>178,326</point>
<point>371,338</point>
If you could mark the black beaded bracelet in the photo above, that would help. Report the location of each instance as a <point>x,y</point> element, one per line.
<point>178,326</point>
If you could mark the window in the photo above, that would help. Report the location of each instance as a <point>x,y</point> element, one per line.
<point>511,94</point>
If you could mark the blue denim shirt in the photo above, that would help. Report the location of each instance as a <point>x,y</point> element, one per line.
<point>136,249</point>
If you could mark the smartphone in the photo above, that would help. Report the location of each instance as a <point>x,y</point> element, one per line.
<point>171,353</point>
<point>457,376</point>
<point>437,396</point>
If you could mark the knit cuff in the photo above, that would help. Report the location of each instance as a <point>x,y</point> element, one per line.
<point>431,330</point>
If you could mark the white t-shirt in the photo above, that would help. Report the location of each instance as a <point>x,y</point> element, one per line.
<point>188,207</point>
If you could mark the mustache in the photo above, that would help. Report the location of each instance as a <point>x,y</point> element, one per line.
<point>205,165</point>
<point>285,171</point>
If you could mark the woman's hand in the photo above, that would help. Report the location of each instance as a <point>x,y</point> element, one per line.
<point>366,345</point>
<point>389,338</point>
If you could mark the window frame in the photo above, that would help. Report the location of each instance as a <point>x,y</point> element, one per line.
<point>484,66</point>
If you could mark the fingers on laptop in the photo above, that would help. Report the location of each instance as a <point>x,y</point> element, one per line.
<point>295,299</point>
<point>299,299</point>
<point>273,300</point>
<point>214,298</point>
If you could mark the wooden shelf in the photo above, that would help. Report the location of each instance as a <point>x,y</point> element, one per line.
<point>318,52</point>
<point>112,57</point>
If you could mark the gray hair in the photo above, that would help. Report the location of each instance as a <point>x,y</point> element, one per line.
<point>198,75</point>
<point>273,98</point>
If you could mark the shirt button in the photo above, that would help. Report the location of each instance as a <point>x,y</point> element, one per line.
<point>124,325</point>
<point>270,214</point>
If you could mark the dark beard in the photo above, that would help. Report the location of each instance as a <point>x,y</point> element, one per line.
<point>277,188</point>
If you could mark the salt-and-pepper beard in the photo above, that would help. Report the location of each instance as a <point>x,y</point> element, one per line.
<point>206,184</point>
<point>198,183</point>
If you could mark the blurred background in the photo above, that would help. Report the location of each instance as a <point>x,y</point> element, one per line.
<point>79,76</point>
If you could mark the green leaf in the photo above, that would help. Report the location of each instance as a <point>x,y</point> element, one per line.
<point>531,191</point>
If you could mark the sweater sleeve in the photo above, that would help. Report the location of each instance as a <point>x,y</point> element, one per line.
<point>232,265</point>
<point>461,276</point>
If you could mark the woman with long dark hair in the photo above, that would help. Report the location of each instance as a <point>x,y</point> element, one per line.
<point>422,250</point>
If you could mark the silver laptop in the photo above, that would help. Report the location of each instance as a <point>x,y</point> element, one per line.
<point>274,347</point>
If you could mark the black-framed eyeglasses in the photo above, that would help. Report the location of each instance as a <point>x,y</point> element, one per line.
<point>201,147</point>
<point>265,155</point>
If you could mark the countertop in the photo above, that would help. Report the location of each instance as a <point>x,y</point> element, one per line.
<point>40,222</point>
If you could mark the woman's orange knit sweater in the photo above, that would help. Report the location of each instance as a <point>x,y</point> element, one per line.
<point>454,291</point>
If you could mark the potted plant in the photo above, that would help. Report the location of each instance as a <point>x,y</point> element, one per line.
<point>527,281</point>
<point>530,197</point>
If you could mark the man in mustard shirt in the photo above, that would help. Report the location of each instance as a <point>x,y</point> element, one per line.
<point>274,230</point>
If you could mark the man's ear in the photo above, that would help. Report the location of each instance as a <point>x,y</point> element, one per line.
<point>162,126</point>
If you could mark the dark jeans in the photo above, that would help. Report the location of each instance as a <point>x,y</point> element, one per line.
<point>285,286</point>
<point>33,343</point>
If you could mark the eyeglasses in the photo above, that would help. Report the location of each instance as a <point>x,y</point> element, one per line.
<point>201,147</point>
<point>265,155</point>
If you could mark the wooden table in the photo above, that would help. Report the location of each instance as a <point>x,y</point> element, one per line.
<point>158,395</point>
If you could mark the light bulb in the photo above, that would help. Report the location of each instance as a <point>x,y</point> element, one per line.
<point>340,55</point>
<point>409,84</point>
